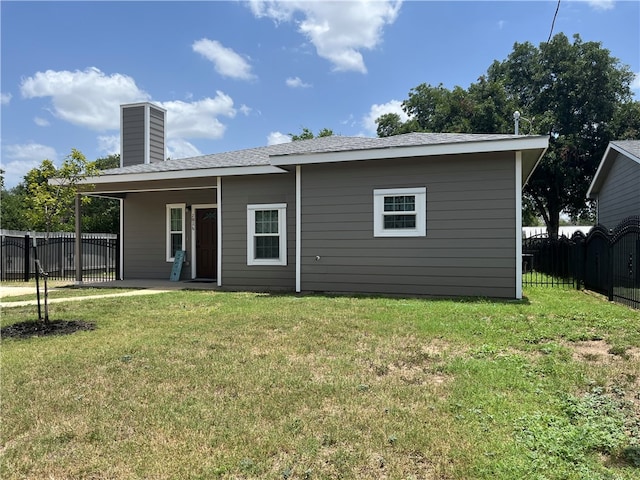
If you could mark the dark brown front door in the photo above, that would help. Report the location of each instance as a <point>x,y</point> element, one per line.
<point>206,242</point>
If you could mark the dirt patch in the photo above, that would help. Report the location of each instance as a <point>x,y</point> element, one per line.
<point>33,328</point>
<point>599,351</point>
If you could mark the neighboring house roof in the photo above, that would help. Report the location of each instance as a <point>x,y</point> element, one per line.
<point>628,148</point>
<point>269,159</point>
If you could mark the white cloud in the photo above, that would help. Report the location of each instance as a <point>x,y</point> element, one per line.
<point>635,85</point>
<point>501,24</point>
<point>245,110</point>
<point>109,144</point>
<point>41,122</point>
<point>602,4</point>
<point>92,99</point>
<point>180,148</point>
<point>276,138</point>
<point>227,62</point>
<point>18,159</point>
<point>394,106</point>
<point>296,82</point>
<point>5,98</point>
<point>338,30</point>
<point>198,119</point>
<point>88,98</point>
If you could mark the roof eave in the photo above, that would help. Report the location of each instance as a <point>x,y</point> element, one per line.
<point>467,147</point>
<point>176,174</point>
<point>601,173</point>
<point>525,180</point>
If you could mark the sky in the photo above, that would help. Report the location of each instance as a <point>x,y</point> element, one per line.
<point>236,74</point>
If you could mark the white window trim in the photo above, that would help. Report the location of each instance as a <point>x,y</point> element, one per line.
<point>282,232</point>
<point>169,207</point>
<point>420,230</point>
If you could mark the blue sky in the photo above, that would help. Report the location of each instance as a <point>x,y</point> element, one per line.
<point>236,75</point>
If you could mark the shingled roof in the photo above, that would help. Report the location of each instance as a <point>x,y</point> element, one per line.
<point>262,156</point>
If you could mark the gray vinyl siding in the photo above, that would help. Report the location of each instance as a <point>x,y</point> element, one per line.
<point>145,230</point>
<point>469,248</point>
<point>237,193</point>
<point>133,135</point>
<point>619,196</point>
<point>156,135</point>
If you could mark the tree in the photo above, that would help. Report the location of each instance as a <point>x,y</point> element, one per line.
<point>99,215</point>
<point>307,134</point>
<point>102,215</point>
<point>571,91</point>
<point>575,92</point>
<point>12,207</point>
<point>51,206</point>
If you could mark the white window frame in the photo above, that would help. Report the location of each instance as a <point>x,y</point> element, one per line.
<point>420,230</point>
<point>183,208</point>
<point>251,233</point>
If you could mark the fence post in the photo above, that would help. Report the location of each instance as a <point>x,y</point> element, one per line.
<point>78,243</point>
<point>117,259</point>
<point>27,258</point>
<point>610,267</point>
<point>581,261</point>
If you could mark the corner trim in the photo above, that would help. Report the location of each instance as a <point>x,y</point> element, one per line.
<point>518,191</point>
<point>298,227</point>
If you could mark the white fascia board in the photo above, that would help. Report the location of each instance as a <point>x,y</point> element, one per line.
<point>482,146</point>
<point>599,172</point>
<point>176,174</point>
<point>526,180</point>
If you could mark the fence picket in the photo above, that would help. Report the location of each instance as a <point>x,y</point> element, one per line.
<point>604,261</point>
<point>100,256</point>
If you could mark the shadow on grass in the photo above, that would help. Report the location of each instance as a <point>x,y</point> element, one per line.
<point>372,296</point>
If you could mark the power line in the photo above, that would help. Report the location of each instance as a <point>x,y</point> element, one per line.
<point>554,21</point>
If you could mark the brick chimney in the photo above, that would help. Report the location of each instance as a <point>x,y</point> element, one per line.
<point>142,134</point>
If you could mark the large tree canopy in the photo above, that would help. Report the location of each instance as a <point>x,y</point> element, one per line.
<point>576,92</point>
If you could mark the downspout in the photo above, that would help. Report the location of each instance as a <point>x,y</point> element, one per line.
<point>518,174</point>
<point>298,227</point>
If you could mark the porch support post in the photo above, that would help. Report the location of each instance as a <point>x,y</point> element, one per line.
<point>518,212</point>
<point>78,243</point>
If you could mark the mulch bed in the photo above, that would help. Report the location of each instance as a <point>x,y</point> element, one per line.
<point>34,328</point>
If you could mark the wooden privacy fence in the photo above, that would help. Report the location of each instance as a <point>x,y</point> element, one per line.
<point>604,261</point>
<point>100,256</point>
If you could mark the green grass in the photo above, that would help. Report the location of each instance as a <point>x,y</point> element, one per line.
<point>239,385</point>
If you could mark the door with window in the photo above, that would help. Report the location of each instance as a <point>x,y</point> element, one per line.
<point>206,243</point>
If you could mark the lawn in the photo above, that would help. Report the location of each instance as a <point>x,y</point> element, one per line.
<point>243,385</point>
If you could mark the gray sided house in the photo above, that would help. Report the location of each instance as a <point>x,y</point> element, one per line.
<point>414,214</point>
<point>616,184</point>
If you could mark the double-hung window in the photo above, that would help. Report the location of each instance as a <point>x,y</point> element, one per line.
<point>267,234</point>
<point>175,229</point>
<point>400,212</point>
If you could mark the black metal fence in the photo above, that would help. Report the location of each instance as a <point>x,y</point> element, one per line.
<point>100,256</point>
<point>604,261</point>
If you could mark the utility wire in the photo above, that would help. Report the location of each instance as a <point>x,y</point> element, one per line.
<point>554,21</point>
